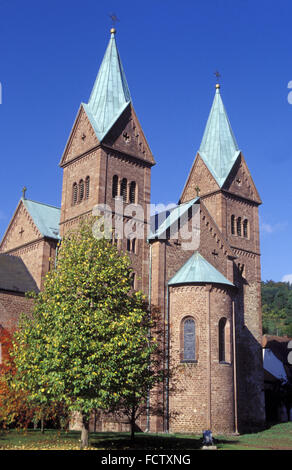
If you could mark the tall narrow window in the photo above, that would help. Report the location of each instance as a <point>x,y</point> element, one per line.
<point>132,195</point>
<point>239,226</point>
<point>123,192</point>
<point>222,345</point>
<point>189,340</point>
<point>87,187</point>
<point>233,224</point>
<point>245,228</point>
<point>74,193</point>
<point>133,280</point>
<point>128,244</point>
<point>114,238</point>
<point>115,186</point>
<point>134,245</point>
<point>81,190</point>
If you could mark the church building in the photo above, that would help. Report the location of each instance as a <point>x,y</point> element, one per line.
<point>208,293</point>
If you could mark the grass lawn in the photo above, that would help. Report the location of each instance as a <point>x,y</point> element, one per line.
<point>277,437</point>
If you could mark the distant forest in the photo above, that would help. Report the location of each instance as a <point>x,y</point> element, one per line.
<point>277,308</point>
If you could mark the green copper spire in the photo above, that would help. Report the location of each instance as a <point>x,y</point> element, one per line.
<point>219,149</point>
<point>110,94</point>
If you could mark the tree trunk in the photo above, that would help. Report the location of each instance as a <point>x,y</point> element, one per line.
<point>84,432</point>
<point>42,426</point>
<point>132,431</point>
<point>133,424</point>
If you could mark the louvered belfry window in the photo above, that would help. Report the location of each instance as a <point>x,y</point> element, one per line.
<point>115,186</point>
<point>124,189</point>
<point>189,340</point>
<point>87,187</point>
<point>239,226</point>
<point>133,192</point>
<point>74,193</point>
<point>245,228</point>
<point>233,225</point>
<point>81,190</point>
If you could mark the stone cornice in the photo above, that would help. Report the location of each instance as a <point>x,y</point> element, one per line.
<point>127,156</point>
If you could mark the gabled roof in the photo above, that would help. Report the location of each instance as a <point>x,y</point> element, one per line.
<point>218,148</point>
<point>167,219</point>
<point>197,269</point>
<point>279,345</point>
<point>14,275</point>
<point>45,217</point>
<point>110,94</point>
<point>273,365</point>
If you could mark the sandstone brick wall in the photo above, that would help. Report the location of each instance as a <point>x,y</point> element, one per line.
<point>21,230</point>
<point>203,391</point>
<point>11,306</point>
<point>240,182</point>
<point>24,240</point>
<point>249,358</point>
<point>38,256</point>
<point>73,173</point>
<point>201,177</point>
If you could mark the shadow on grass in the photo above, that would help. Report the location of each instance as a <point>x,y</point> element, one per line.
<point>108,441</point>
<point>150,442</point>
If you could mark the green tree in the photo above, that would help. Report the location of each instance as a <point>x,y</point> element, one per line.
<point>141,377</point>
<point>87,343</point>
<point>277,307</point>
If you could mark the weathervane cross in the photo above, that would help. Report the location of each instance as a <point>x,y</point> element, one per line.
<point>114,18</point>
<point>217,75</point>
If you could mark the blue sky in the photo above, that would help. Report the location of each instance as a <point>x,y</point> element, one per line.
<point>50,52</point>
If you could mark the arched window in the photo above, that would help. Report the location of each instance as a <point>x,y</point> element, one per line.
<point>245,228</point>
<point>233,224</point>
<point>81,190</point>
<point>189,340</point>
<point>133,280</point>
<point>123,191</point>
<point>132,195</point>
<point>74,193</point>
<point>134,245</point>
<point>239,226</point>
<point>87,187</point>
<point>222,345</point>
<point>115,186</point>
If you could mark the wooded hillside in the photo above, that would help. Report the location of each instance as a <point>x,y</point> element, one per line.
<point>277,308</point>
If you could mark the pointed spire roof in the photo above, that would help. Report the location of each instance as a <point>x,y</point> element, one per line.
<point>197,269</point>
<point>110,94</point>
<point>219,149</point>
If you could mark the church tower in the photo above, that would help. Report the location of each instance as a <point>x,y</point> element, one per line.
<point>107,158</point>
<point>209,295</point>
<point>229,194</point>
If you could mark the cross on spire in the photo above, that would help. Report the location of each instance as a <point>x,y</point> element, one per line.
<point>24,189</point>
<point>197,189</point>
<point>217,75</point>
<point>114,19</point>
